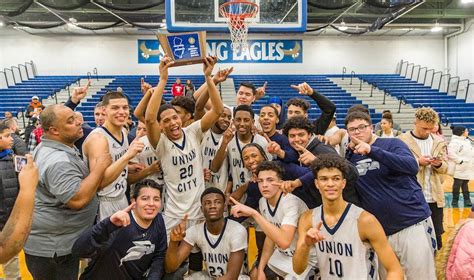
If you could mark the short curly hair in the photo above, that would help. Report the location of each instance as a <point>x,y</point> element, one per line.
<point>297,122</point>
<point>427,114</point>
<point>184,102</point>
<point>272,166</point>
<point>329,161</point>
<point>299,102</point>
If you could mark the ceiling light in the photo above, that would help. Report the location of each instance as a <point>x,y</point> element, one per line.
<point>343,26</point>
<point>2,24</point>
<point>467,1</point>
<point>437,28</point>
<point>73,20</point>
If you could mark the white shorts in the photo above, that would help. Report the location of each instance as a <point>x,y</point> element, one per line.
<point>282,265</point>
<point>108,206</point>
<point>202,275</point>
<point>415,247</point>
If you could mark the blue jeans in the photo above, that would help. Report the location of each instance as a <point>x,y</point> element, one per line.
<point>55,268</point>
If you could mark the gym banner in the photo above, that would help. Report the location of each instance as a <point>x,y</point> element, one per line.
<point>259,51</point>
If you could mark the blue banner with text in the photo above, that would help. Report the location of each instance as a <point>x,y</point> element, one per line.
<point>259,51</point>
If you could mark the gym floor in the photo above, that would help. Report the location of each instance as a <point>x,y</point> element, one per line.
<point>451,217</point>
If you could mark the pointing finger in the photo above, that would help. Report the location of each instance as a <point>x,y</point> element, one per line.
<point>128,208</point>
<point>318,226</point>
<point>235,202</point>
<point>267,138</point>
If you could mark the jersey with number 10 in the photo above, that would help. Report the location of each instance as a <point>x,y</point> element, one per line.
<point>181,162</point>
<point>342,255</point>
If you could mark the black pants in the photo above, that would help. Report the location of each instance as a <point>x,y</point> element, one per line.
<point>437,218</point>
<point>460,184</point>
<point>55,268</point>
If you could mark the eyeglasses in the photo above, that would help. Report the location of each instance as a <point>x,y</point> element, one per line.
<point>360,128</point>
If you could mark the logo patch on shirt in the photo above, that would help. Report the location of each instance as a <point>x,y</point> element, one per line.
<point>365,165</point>
<point>136,252</point>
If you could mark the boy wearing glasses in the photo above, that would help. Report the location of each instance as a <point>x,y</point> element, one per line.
<point>388,189</point>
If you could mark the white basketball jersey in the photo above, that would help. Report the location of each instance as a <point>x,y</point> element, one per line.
<point>239,173</point>
<point>342,255</point>
<point>116,149</point>
<point>181,162</point>
<point>147,157</point>
<point>216,249</point>
<point>287,211</point>
<point>209,146</point>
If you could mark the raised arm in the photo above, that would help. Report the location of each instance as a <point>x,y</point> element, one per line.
<point>370,230</point>
<point>210,118</point>
<point>152,125</point>
<point>16,230</point>
<point>140,110</point>
<point>177,252</point>
<point>221,153</point>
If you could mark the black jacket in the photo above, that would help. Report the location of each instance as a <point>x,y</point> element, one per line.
<point>8,188</point>
<point>328,108</point>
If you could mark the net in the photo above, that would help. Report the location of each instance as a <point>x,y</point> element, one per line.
<point>238,14</point>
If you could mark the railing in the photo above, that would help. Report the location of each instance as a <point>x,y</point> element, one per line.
<point>352,76</point>
<point>418,77</point>
<point>401,66</point>
<point>33,67</point>
<point>19,71</point>
<point>441,80</point>
<point>432,76</point>
<point>469,97</point>
<point>96,73</point>
<point>460,88</point>
<point>456,83</point>
<point>406,71</point>
<point>5,77</point>
<point>403,101</point>
<point>13,75</point>
<point>432,80</point>
<point>413,71</point>
<point>344,70</point>
<point>23,66</point>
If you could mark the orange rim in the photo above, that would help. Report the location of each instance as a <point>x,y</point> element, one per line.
<point>236,16</point>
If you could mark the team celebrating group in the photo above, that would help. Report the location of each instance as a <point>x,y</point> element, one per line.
<point>177,199</point>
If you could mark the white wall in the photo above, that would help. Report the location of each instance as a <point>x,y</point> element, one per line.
<point>76,55</point>
<point>461,53</point>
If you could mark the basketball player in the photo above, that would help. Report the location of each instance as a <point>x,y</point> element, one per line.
<point>209,147</point>
<point>112,137</point>
<point>343,235</point>
<point>278,218</point>
<point>178,149</point>
<point>231,147</point>
<point>222,241</point>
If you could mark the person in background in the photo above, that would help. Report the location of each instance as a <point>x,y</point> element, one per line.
<point>19,146</point>
<point>386,127</point>
<point>461,156</point>
<point>35,107</point>
<point>177,89</point>
<point>8,115</point>
<point>430,151</point>
<point>35,136</point>
<point>395,125</point>
<point>32,124</point>
<point>99,114</point>
<point>190,89</point>
<point>277,102</point>
<point>16,229</point>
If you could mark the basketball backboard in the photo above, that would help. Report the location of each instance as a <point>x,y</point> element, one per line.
<point>273,16</point>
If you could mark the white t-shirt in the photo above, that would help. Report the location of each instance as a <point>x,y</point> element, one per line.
<point>425,146</point>
<point>216,249</point>
<point>181,162</point>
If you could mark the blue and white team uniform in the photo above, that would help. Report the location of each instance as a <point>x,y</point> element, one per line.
<point>112,198</point>
<point>216,249</point>
<point>287,211</point>
<point>342,255</point>
<point>209,146</point>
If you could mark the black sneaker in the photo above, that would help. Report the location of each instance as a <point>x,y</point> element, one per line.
<point>468,203</point>
<point>454,204</point>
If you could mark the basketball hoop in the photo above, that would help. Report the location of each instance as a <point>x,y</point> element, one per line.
<point>238,14</point>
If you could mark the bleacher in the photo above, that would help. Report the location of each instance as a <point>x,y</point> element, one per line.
<point>279,85</point>
<point>17,98</point>
<point>457,111</point>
